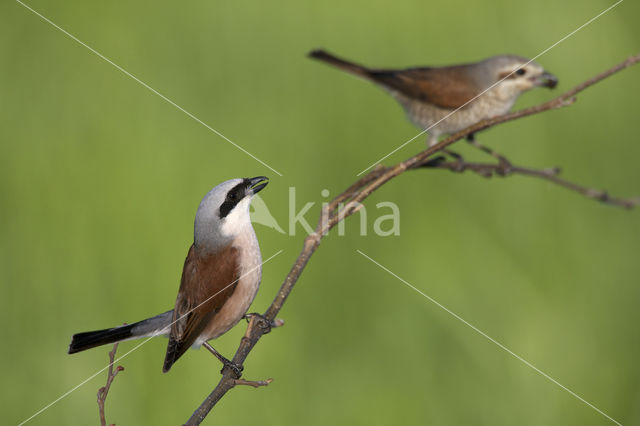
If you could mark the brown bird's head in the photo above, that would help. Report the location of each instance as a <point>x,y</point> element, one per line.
<point>223,213</point>
<point>514,74</point>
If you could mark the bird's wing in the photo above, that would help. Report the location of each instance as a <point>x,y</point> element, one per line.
<point>446,87</point>
<point>207,282</point>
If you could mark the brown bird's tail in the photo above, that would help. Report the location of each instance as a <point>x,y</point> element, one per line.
<point>350,67</point>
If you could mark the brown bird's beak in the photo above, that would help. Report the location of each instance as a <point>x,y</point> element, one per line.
<point>257,184</point>
<point>547,80</point>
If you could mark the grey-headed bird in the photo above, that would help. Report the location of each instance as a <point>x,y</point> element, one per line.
<point>430,95</point>
<point>220,278</point>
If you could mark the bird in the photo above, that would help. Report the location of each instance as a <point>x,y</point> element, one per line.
<point>447,99</point>
<point>220,279</point>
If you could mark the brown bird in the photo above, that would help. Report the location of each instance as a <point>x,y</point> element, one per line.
<point>220,279</point>
<point>444,100</point>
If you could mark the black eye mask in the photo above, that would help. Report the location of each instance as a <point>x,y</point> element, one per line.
<point>234,196</point>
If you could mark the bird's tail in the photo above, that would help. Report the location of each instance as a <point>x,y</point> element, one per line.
<point>157,325</point>
<point>91,339</point>
<point>349,67</point>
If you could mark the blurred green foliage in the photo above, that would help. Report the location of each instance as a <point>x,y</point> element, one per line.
<point>100,179</point>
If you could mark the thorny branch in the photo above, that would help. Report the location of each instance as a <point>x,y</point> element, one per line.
<point>103,391</point>
<point>349,202</point>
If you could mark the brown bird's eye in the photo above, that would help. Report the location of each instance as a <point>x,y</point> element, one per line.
<point>521,71</point>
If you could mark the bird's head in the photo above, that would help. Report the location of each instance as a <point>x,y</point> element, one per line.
<point>516,75</point>
<point>224,212</point>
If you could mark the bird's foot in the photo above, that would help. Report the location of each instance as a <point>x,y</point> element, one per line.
<point>262,322</point>
<point>504,167</point>
<point>236,369</point>
<point>459,161</point>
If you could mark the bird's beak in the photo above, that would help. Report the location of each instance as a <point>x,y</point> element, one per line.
<point>547,80</point>
<point>258,183</point>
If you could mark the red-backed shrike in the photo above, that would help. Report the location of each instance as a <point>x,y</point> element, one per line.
<point>220,278</point>
<point>429,95</point>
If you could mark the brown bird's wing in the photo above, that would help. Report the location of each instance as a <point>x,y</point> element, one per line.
<point>446,87</point>
<point>207,282</point>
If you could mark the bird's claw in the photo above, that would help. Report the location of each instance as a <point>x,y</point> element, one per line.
<point>235,368</point>
<point>458,161</point>
<point>504,167</point>
<point>261,321</point>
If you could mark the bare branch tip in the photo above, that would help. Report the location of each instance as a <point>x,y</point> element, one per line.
<point>252,383</point>
<point>104,390</point>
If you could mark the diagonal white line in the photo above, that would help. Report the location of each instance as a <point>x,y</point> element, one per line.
<point>492,86</point>
<point>485,335</point>
<point>67,393</point>
<point>145,85</point>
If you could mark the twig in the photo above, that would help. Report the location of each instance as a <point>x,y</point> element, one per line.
<point>348,202</point>
<point>103,391</point>
<point>253,383</point>
<point>550,174</point>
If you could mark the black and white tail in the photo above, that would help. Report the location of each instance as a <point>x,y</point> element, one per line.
<point>91,339</point>
<point>158,325</point>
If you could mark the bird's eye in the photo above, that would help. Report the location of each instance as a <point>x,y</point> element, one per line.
<point>521,71</point>
<point>232,199</point>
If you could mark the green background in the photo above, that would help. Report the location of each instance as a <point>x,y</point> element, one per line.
<point>100,179</point>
